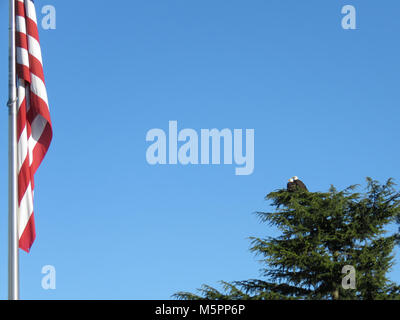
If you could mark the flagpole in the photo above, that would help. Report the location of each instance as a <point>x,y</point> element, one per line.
<point>13,253</point>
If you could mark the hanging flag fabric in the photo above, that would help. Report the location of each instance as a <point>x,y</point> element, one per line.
<point>34,130</point>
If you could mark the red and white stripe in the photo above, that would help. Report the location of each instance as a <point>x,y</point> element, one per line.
<point>34,130</point>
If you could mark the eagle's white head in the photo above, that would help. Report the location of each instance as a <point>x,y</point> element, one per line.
<point>295,178</point>
<point>291,180</point>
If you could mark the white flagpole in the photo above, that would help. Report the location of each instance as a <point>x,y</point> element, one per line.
<point>13,247</point>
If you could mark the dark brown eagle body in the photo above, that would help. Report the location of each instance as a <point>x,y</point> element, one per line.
<point>291,186</point>
<point>299,184</point>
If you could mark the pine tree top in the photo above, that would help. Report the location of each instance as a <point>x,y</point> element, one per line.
<point>321,234</point>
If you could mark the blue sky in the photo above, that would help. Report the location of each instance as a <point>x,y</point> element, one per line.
<point>323,101</point>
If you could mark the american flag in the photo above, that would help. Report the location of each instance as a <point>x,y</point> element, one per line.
<point>34,130</point>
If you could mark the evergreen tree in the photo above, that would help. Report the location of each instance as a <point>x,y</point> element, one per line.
<point>320,234</point>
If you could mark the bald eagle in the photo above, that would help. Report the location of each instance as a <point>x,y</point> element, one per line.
<point>291,186</point>
<point>299,184</point>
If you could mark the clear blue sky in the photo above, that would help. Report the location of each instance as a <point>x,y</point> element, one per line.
<point>323,101</point>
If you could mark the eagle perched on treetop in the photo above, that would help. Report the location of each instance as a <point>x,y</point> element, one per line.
<point>296,184</point>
